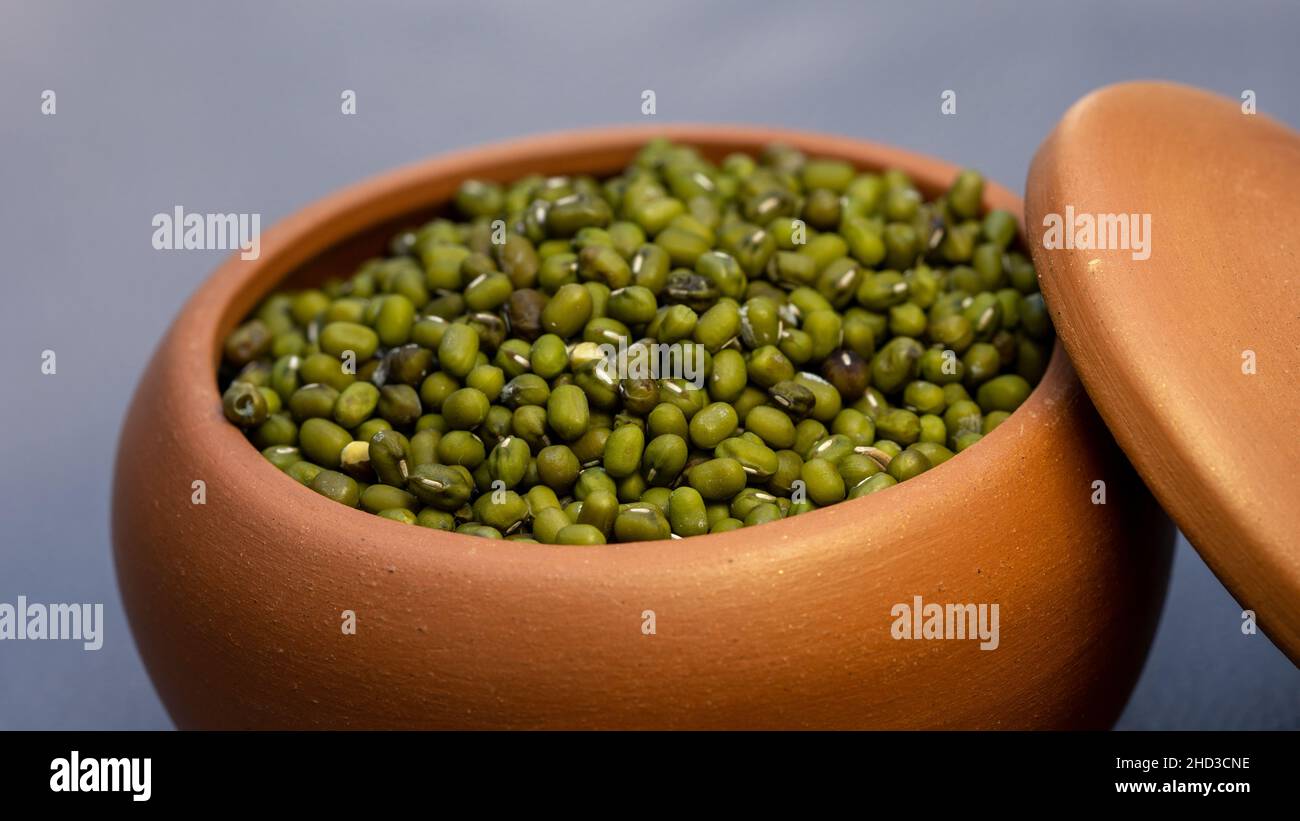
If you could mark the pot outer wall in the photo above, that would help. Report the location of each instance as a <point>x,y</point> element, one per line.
<point>237,604</point>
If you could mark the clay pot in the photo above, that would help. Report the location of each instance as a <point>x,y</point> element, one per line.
<point>238,604</point>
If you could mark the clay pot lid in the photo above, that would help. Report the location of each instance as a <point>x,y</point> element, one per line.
<point>1192,354</point>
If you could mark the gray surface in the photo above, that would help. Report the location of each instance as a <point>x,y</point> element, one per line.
<point>235,107</point>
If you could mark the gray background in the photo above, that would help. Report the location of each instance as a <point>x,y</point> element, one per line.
<point>234,106</point>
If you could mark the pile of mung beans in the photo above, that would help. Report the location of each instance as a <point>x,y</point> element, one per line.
<point>853,335</point>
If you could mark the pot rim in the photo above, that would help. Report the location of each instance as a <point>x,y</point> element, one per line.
<point>193,344</point>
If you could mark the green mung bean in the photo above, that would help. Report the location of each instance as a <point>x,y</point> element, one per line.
<point>849,335</point>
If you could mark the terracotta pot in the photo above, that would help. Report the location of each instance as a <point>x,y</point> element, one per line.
<point>237,603</point>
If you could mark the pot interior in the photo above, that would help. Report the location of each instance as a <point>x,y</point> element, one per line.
<point>343,257</point>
